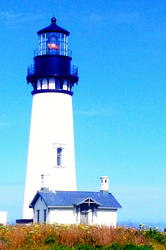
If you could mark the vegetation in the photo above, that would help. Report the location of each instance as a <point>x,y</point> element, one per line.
<point>77,237</point>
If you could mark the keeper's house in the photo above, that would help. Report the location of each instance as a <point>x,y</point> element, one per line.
<point>74,207</point>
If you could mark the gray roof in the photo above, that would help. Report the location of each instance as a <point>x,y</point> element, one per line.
<point>70,198</point>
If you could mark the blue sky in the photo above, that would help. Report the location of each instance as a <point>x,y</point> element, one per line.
<point>119,103</point>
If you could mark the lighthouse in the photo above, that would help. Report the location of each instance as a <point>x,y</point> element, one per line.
<point>51,158</point>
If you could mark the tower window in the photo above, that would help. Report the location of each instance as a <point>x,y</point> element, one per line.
<point>59,156</point>
<point>57,84</point>
<point>61,84</point>
<point>65,85</point>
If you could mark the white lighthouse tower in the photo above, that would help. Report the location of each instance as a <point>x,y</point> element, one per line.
<point>51,157</point>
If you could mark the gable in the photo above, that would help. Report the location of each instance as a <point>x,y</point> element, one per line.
<point>40,204</point>
<point>88,200</point>
<point>37,199</point>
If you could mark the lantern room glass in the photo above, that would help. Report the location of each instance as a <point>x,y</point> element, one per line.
<point>53,43</point>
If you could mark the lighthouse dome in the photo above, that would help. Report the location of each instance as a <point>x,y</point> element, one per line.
<point>53,28</point>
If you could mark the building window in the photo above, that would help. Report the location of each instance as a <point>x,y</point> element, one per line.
<point>69,86</point>
<point>65,85</point>
<point>61,84</point>
<point>59,156</point>
<point>58,84</point>
<point>45,212</point>
<point>38,216</point>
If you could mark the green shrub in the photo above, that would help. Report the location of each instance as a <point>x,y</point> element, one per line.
<point>83,247</point>
<point>89,247</point>
<point>60,247</point>
<point>143,248</point>
<point>114,246</point>
<point>49,240</point>
<point>134,247</point>
<point>154,234</point>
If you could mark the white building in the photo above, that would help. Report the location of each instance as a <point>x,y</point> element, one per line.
<point>73,207</point>
<point>3,217</point>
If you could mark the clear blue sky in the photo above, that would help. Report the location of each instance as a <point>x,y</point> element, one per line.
<point>119,103</point>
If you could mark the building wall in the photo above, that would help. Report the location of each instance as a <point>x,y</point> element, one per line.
<point>106,217</point>
<point>51,127</point>
<point>62,216</point>
<point>54,215</point>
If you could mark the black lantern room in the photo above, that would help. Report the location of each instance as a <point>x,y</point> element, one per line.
<point>52,70</point>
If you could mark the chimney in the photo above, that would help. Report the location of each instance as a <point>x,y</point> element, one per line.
<point>104,185</point>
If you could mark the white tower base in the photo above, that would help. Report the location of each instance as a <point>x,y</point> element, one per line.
<point>51,132</point>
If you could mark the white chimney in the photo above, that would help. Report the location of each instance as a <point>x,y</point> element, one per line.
<point>104,185</point>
